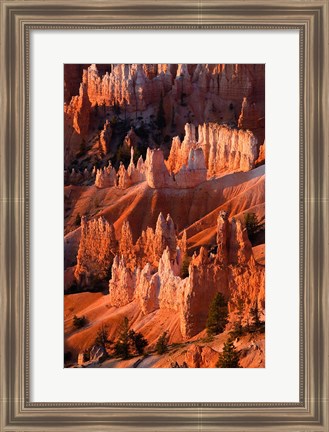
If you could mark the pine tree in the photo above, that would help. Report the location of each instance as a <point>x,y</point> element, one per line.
<point>217,316</point>
<point>102,336</point>
<point>229,357</point>
<point>252,225</point>
<point>138,341</point>
<point>129,342</point>
<point>162,343</point>
<point>121,347</point>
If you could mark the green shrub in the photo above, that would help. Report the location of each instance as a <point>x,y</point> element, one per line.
<point>79,322</point>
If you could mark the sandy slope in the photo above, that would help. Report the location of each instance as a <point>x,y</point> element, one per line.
<point>96,309</point>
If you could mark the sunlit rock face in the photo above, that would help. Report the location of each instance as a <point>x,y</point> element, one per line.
<point>232,94</point>
<point>106,177</point>
<point>105,138</point>
<point>189,175</point>
<point>122,284</point>
<point>225,150</point>
<point>231,270</point>
<point>151,244</point>
<point>97,248</point>
<point>147,289</point>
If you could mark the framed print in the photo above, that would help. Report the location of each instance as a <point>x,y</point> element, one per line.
<point>134,197</point>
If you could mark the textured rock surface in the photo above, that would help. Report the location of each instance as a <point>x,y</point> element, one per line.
<point>105,177</point>
<point>105,138</point>
<point>231,271</point>
<point>152,243</point>
<point>76,122</point>
<point>261,156</point>
<point>189,176</point>
<point>97,248</point>
<point>163,272</point>
<point>227,150</point>
<point>126,246</point>
<point>232,94</point>
<point>147,289</point>
<point>122,284</point>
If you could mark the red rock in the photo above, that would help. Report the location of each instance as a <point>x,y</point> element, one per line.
<point>76,123</point>
<point>105,177</point>
<point>126,246</point>
<point>97,248</point>
<point>122,283</point>
<point>105,138</point>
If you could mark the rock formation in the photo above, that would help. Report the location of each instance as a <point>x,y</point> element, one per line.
<point>97,248</point>
<point>152,243</point>
<point>76,122</point>
<point>130,139</point>
<point>147,289</point>
<point>126,246</point>
<point>105,177</point>
<point>261,156</point>
<point>208,93</point>
<point>227,150</point>
<point>189,176</point>
<point>122,283</point>
<point>105,138</point>
<point>124,180</point>
<point>231,271</point>
<point>136,173</point>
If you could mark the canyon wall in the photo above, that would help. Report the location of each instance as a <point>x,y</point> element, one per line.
<point>203,93</point>
<point>205,88</point>
<point>219,150</point>
<point>76,122</point>
<point>225,150</point>
<point>231,270</point>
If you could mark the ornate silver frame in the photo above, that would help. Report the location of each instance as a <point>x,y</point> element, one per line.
<point>311,18</point>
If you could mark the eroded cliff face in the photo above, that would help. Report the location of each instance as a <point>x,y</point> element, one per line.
<point>219,150</point>
<point>203,93</point>
<point>232,271</point>
<point>76,122</point>
<point>225,150</point>
<point>97,249</point>
<point>106,177</point>
<point>135,86</point>
<point>122,284</point>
